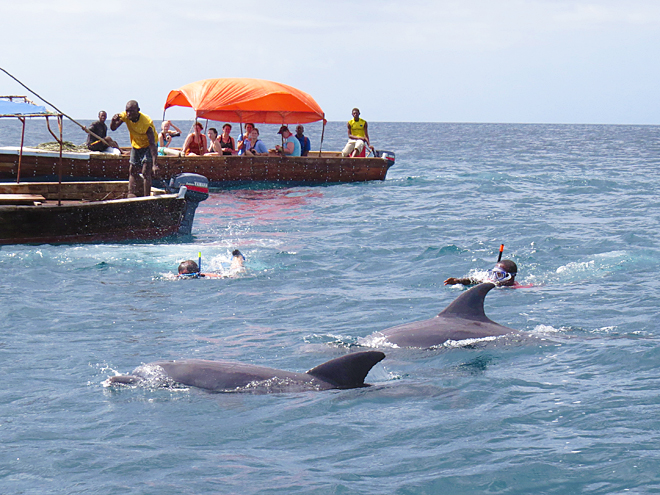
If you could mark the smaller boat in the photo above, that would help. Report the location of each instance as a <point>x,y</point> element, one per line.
<point>74,212</point>
<point>77,212</point>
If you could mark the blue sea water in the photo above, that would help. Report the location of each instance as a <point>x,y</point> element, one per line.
<point>577,209</point>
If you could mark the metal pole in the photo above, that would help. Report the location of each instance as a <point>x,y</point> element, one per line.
<point>60,123</point>
<point>322,134</point>
<point>20,154</point>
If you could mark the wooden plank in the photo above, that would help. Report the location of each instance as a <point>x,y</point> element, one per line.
<point>20,199</point>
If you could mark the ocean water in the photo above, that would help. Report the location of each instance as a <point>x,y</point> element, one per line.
<point>577,209</point>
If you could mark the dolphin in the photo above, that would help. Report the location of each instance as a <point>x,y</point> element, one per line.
<point>344,372</point>
<point>462,319</point>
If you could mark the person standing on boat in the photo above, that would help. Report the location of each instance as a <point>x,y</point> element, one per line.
<point>144,150</point>
<point>305,144</point>
<point>358,135</point>
<point>101,131</point>
<point>291,146</point>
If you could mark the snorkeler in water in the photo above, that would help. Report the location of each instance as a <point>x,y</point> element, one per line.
<point>190,269</point>
<point>503,274</point>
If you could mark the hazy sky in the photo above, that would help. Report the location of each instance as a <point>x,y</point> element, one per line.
<point>552,61</point>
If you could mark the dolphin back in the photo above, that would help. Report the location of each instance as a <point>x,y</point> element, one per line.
<point>125,379</point>
<point>348,371</point>
<point>470,304</point>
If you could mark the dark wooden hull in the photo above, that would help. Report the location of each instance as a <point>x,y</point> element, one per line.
<point>111,220</point>
<point>220,170</point>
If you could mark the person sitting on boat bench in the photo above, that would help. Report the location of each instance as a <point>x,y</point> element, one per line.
<point>143,142</point>
<point>195,142</point>
<point>214,145</point>
<point>256,146</point>
<point>502,275</point>
<point>165,138</point>
<point>101,130</point>
<point>305,144</point>
<point>240,145</point>
<point>358,135</point>
<point>291,144</point>
<point>227,144</point>
<point>223,144</point>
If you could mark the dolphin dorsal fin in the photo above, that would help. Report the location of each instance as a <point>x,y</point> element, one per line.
<point>470,304</point>
<point>348,371</point>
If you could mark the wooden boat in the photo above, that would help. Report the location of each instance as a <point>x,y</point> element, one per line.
<point>222,171</point>
<point>76,212</point>
<point>226,99</point>
<point>73,212</point>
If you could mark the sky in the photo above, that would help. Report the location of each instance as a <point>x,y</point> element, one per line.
<point>509,61</point>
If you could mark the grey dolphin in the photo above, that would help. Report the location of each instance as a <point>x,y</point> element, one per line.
<point>462,319</point>
<point>348,371</point>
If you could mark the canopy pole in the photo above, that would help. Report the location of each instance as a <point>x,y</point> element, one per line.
<point>322,134</point>
<point>20,154</point>
<point>60,124</point>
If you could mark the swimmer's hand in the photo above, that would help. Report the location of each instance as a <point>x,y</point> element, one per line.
<point>451,281</point>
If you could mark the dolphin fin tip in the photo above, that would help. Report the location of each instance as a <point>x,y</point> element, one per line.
<point>348,371</point>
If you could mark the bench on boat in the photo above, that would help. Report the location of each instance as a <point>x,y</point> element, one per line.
<point>21,199</point>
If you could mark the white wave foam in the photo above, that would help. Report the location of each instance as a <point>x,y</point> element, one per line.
<point>376,339</point>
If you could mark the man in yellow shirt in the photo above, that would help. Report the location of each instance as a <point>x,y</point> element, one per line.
<point>358,135</point>
<point>144,150</point>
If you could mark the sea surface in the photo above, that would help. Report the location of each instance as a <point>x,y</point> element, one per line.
<point>575,411</point>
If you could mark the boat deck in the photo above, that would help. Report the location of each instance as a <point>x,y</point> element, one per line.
<point>39,193</point>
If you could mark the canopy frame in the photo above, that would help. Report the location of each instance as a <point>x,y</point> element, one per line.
<point>243,100</point>
<point>22,117</point>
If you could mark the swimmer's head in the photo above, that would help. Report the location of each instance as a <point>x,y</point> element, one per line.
<point>236,253</point>
<point>188,268</point>
<point>504,273</point>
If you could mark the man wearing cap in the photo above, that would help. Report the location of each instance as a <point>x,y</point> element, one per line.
<point>291,145</point>
<point>358,135</point>
<point>143,141</point>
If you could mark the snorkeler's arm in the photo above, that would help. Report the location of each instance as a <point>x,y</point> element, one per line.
<point>462,281</point>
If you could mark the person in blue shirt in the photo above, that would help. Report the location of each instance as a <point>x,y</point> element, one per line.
<point>240,144</point>
<point>255,146</point>
<point>291,144</point>
<point>305,145</point>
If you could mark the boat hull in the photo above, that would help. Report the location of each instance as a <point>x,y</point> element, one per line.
<point>221,170</point>
<point>110,220</point>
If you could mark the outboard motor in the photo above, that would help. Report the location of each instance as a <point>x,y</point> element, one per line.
<point>195,189</point>
<point>387,155</point>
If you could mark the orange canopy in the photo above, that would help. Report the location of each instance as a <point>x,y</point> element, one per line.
<point>235,99</point>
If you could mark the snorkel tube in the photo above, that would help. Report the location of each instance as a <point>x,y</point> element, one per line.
<point>199,262</point>
<point>499,258</point>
